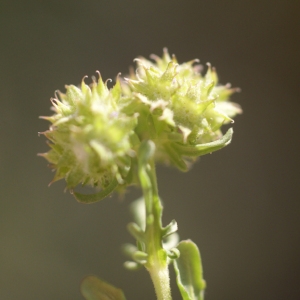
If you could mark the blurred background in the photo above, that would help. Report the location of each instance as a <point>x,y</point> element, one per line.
<point>240,205</point>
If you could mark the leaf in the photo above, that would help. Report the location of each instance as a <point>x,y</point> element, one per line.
<point>175,156</point>
<point>189,273</point>
<point>171,241</point>
<point>93,288</point>
<point>146,152</point>
<point>137,208</point>
<point>136,231</point>
<point>91,198</point>
<point>203,149</point>
<point>140,257</point>
<point>169,229</point>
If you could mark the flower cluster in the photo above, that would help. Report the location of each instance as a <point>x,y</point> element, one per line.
<point>180,110</point>
<point>90,137</point>
<point>96,131</point>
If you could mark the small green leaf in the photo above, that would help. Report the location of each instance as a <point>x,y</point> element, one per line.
<point>169,229</point>
<point>189,273</point>
<point>175,156</point>
<point>203,149</point>
<point>132,265</point>
<point>128,249</point>
<point>91,198</point>
<point>137,209</point>
<point>93,288</point>
<point>136,231</point>
<point>140,257</point>
<point>171,241</point>
<point>146,151</point>
<point>173,253</point>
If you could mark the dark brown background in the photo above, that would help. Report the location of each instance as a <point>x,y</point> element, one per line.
<point>240,205</point>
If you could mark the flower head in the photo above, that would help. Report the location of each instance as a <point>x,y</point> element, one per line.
<point>90,136</point>
<point>96,131</point>
<point>185,108</point>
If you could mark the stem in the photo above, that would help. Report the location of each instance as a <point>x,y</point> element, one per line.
<point>161,282</point>
<point>157,264</point>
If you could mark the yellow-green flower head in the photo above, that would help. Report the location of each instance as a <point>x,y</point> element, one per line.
<point>187,108</point>
<point>96,131</point>
<point>90,136</point>
<point>187,100</point>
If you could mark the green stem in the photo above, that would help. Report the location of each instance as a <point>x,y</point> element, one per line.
<point>157,257</point>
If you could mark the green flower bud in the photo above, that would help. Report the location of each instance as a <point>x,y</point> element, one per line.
<point>179,107</point>
<point>90,138</point>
